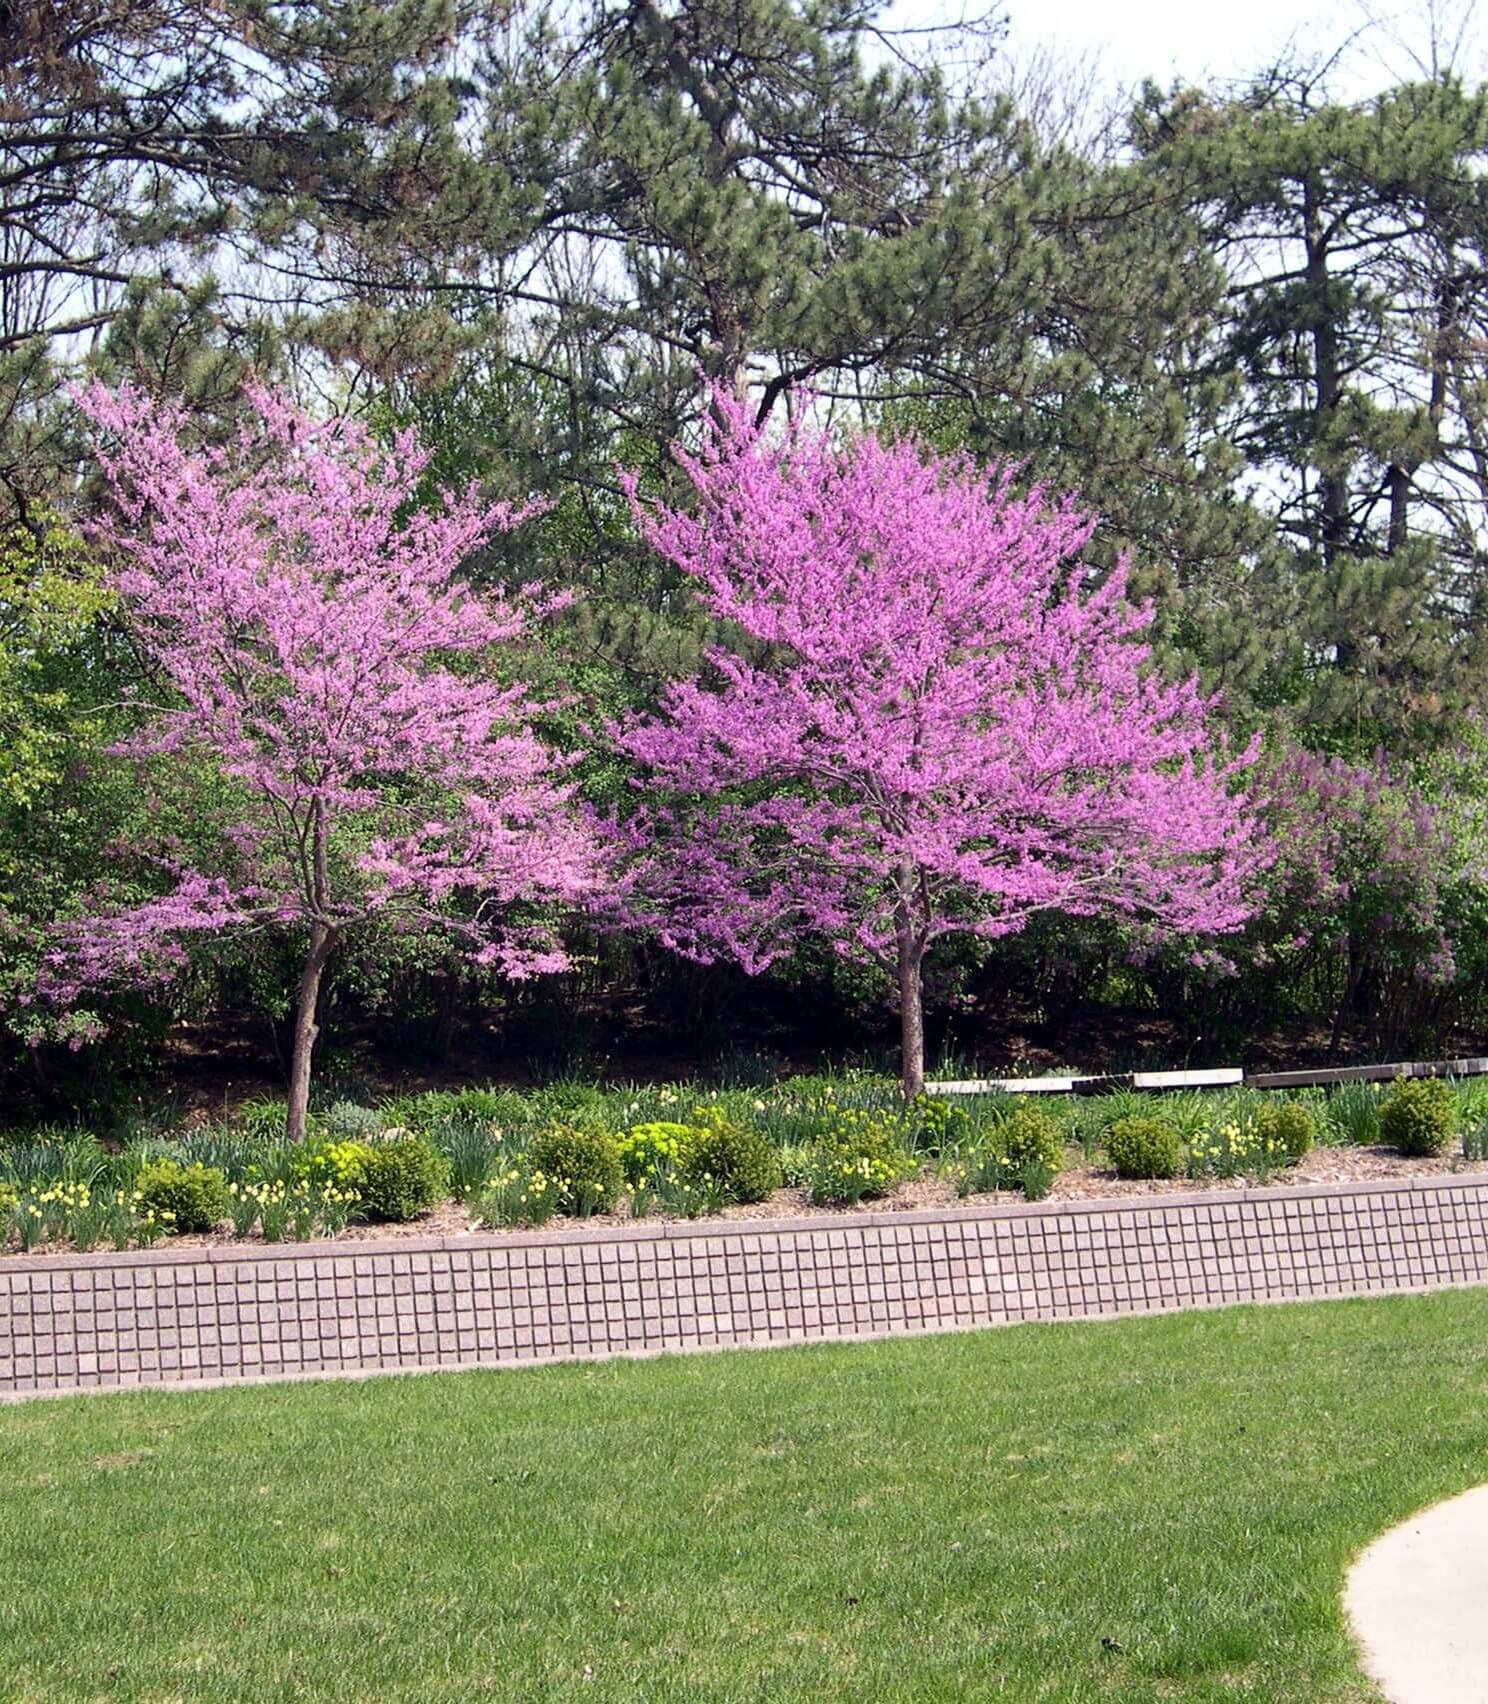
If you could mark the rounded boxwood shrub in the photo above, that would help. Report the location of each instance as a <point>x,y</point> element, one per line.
<point>583,1167</point>
<point>735,1158</point>
<point>1419,1116</point>
<point>189,1198</point>
<point>401,1178</point>
<point>1144,1147</point>
<point>1290,1125</point>
<point>1028,1137</point>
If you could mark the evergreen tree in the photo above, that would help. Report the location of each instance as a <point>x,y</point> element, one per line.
<point>1353,240</point>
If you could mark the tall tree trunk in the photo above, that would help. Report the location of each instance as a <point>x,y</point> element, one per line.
<point>911,1020</point>
<point>322,940</point>
<point>1327,380</point>
<point>307,1004</point>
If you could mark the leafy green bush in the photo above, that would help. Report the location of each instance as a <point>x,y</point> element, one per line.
<point>1288,1125</point>
<point>1144,1147</point>
<point>583,1166</point>
<point>492,1109</point>
<point>189,1198</point>
<point>648,1150</point>
<point>734,1157</point>
<point>402,1178</point>
<point>568,1099</point>
<point>341,1164</point>
<point>858,1156</point>
<point>1419,1116</point>
<point>1028,1136</point>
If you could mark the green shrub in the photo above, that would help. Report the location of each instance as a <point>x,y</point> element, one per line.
<point>342,1164</point>
<point>1144,1147</point>
<point>857,1156</point>
<point>501,1109</point>
<point>582,1165</point>
<point>735,1158</point>
<point>569,1099</point>
<point>401,1179</point>
<point>648,1150</point>
<point>1289,1126</point>
<point>1027,1136</point>
<point>1419,1116</point>
<point>188,1198</point>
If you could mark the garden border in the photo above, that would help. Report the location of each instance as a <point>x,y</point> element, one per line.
<point>228,1314</point>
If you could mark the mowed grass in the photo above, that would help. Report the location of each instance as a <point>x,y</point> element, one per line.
<point>1153,1509</point>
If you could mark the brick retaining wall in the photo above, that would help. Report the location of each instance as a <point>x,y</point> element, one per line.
<point>225,1314</point>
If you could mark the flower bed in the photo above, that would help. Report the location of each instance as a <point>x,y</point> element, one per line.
<point>495,1160</point>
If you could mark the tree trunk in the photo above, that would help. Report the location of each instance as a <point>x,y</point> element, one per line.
<point>911,1021</point>
<point>322,940</point>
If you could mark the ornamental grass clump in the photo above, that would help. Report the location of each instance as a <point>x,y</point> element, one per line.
<point>1353,1113</point>
<point>583,1166</point>
<point>192,1198</point>
<point>976,1166</point>
<point>1144,1148</point>
<point>936,1125</point>
<point>1418,1117</point>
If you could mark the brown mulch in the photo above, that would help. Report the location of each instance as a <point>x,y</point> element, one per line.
<point>1078,1182</point>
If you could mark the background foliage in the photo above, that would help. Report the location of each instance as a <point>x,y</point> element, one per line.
<point>1249,324</point>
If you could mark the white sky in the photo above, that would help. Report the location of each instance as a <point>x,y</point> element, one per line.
<point>1223,40</point>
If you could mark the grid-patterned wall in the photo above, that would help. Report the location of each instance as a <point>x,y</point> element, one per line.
<point>224,1314</point>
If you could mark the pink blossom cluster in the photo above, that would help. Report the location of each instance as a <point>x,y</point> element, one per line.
<point>314,642</point>
<point>935,718</point>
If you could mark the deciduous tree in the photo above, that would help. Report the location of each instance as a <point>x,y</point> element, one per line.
<point>936,722</point>
<point>315,644</point>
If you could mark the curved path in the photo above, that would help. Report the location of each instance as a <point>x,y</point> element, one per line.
<point>1418,1601</point>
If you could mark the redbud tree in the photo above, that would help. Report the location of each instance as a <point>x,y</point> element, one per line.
<point>316,649</point>
<point>935,720</point>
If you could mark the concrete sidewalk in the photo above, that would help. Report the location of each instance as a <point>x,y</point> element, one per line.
<point>1418,1601</point>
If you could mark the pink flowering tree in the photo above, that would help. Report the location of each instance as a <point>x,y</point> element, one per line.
<point>935,721</point>
<point>315,647</point>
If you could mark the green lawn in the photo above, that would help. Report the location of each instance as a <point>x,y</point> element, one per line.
<point>1156,1509</point>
